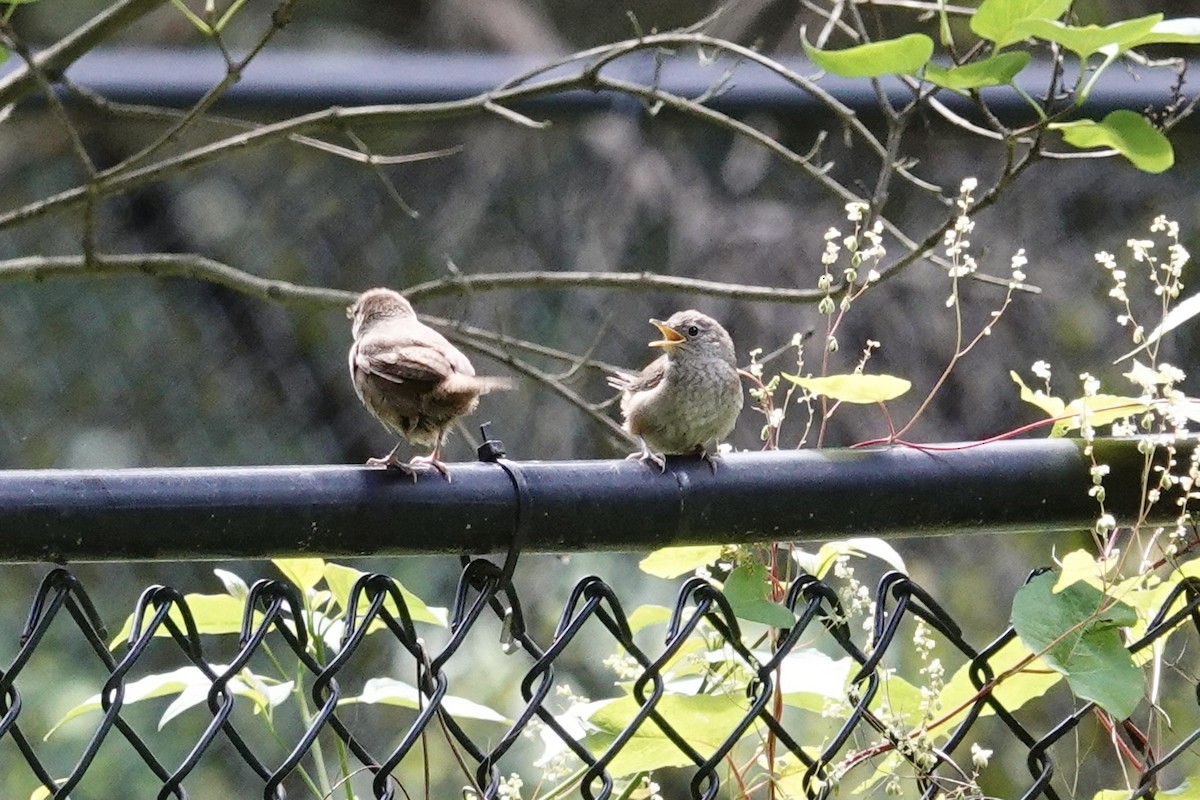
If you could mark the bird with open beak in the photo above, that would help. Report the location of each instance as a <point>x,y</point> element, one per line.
<point>410,377</point>
<point>686,398</point>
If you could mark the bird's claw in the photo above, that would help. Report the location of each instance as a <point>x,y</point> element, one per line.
<point>711,458</point>
<point>653,458</point>
<point>431,461</point>
<point>391,462</point>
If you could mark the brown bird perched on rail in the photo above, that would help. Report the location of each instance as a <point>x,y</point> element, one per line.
<point>410,377</point>
<point>687,397</point>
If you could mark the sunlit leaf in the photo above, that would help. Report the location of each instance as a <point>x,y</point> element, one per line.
<point>303,572</point>
<point>671,562</point>
<point>854,387</point>
<point>905,55</point>
<point>706,720</point>
<point>997,20</point>
<point>341,580</point>
<point>1032,681</point>
<point>213,614</point>
<point>819,563</point>
<point>647,615</point>
<point>234,584</point>
<point>391,692</point>
<point>1086,40</point>
<point>1077,632</point>
<point>1182,30</point>
<point>1127,132</point>
<point>1052,406</point>
<point>998,70</point>
<point>1181,313</point>
<point>808,677</point>
<point>192,687</point>
<point>1101,409</point>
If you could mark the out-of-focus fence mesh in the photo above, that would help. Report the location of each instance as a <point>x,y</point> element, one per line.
<point>862,732</point>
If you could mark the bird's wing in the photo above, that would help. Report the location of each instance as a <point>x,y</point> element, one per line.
<point>643,381</point>
<point>401,361</point>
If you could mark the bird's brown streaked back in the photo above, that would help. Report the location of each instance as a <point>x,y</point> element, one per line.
<point>409,376</point>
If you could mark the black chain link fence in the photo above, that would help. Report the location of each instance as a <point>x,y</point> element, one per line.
<point>394,760</point>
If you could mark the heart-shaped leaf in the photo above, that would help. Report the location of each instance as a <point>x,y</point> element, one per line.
<point>1127,132</point>
<point>889,57</point>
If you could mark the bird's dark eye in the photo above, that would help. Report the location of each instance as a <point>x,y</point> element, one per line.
<point>693,331</point>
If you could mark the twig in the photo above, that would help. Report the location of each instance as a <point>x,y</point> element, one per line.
<point>55,59</point>
<point>173,265</point>
<point>458,336</point>
<point>633,281</point>
<point>233,74</point>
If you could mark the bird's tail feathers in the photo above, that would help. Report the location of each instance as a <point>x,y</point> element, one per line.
<point>620,380</point>
<point>481,384</point>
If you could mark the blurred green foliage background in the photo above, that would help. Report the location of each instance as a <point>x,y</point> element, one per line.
<point>133,371</point>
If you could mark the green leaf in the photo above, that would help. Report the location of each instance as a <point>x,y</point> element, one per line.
<point>1182,30</point>
<point>192,687</point>
<point>391,692</point>
<point>1127,132</point>
<point>819,563</point>
<point>1077,633</point>
<point>1051,406</point>
<point>341,579</point>
<point>1033,681</point>
<point>854,387</point>
<point>889,57</point>
<point>647,615</point>
<point>997,20</point>
<point>303,572</point>
<point>234,585</point>
<point>1178,315</point>
<point>213,613</point>
<point>1089,39</point>
<point>749,594</point>
<point>1101,409</point>
<point>671,562</point>
<point>705,719</point>
<point>998,70</point>
<point>808,677</point>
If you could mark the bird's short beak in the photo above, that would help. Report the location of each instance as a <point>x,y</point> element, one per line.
<point>671,337</point>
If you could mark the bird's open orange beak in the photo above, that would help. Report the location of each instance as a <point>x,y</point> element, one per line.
<point>671,337</point>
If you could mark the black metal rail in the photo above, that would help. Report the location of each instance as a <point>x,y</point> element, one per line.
<point>57,515</point>
<point>308,80</point>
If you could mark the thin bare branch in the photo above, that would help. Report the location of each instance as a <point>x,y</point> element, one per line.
<point>55,59</point>
<point>459,337</point>
<point>513,116</point>
<point>630,281</point>
<point>172,265</point>
<point>513,342</point>
<point>233,74</point>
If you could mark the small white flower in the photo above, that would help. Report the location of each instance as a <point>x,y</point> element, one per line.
<point>1041,369</point>
<point>979,755</point>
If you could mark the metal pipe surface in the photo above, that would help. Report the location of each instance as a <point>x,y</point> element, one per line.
<point>301,79</point>
<point>258,512</point>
